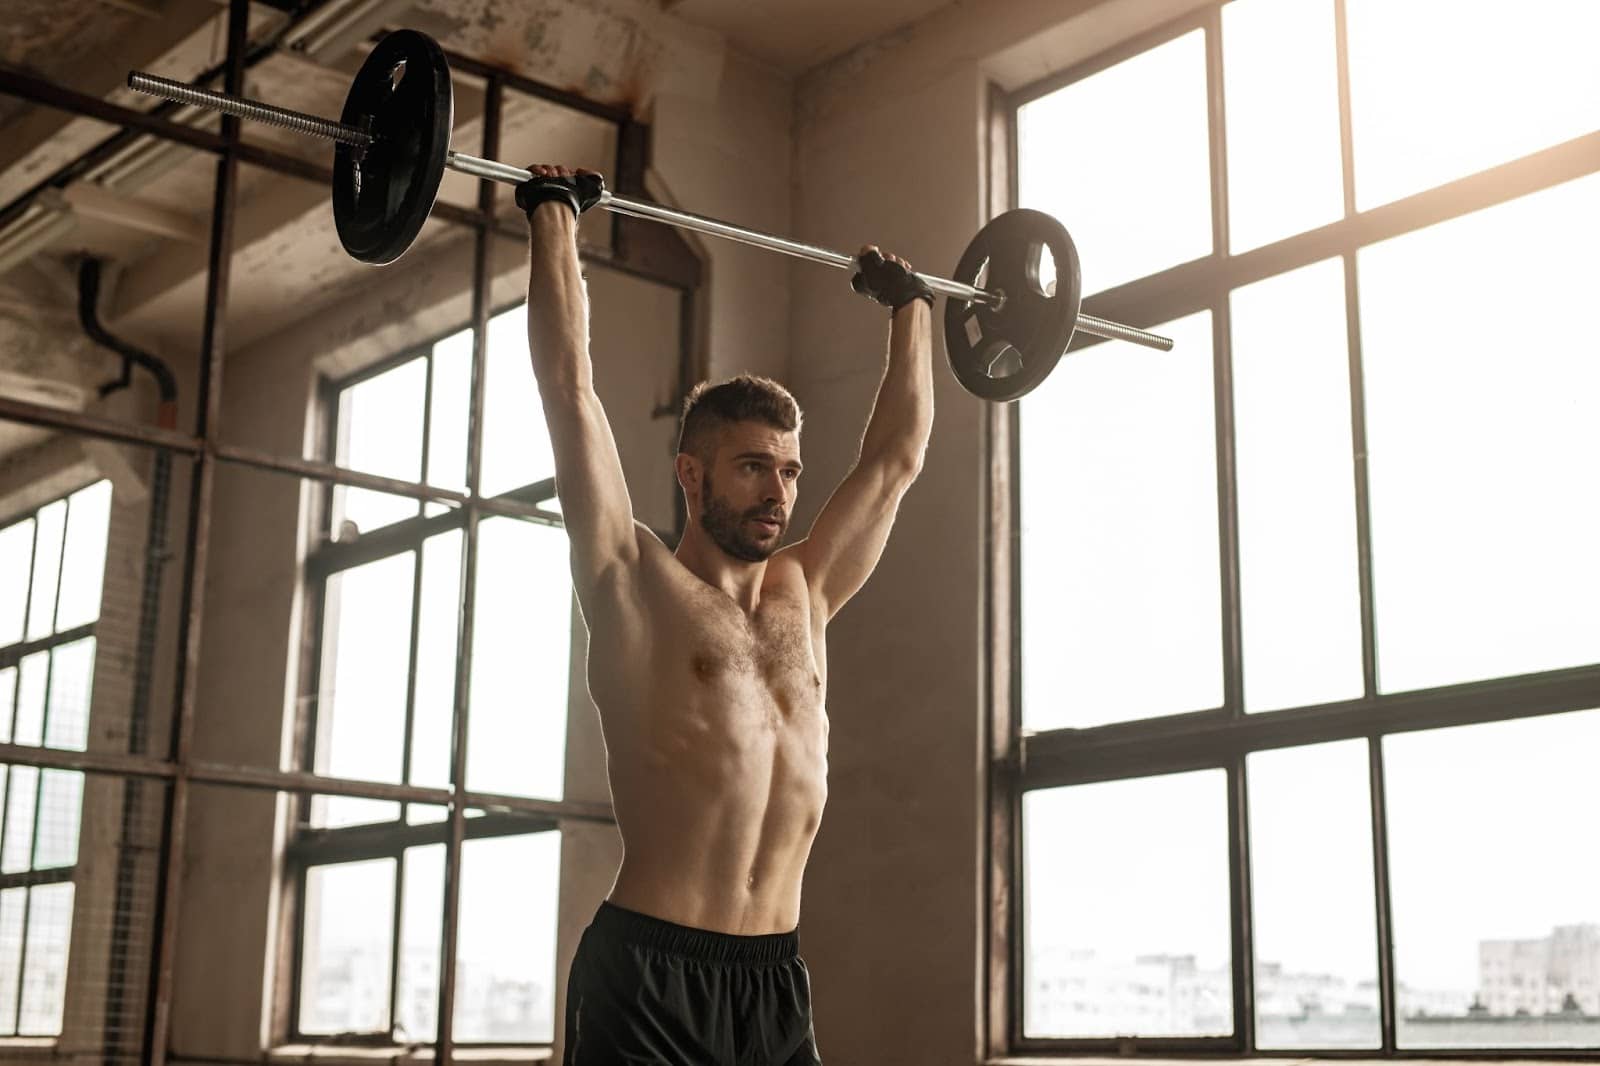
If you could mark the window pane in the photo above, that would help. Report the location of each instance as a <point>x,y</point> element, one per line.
<point>1121,600</point>
<point>361,712</point>
<point>16,561</point>
<point>84,560</point>
<point>13,901</point>
<point>1440,89</point>
<point>46,570</point>
<point>1493,873</point>
<point>8,701</point>
<point>60,804</point>
<point>380,432</point>
<point>506,958</point>
<point>44,982</point>
<point>1285,172</point>
<point>516,444</point>
<point>71,678</point>
<point>1314,908</point>
<point>349,933</point>
<point>16,845</point>
<point>1123,159</point>
<point>34,677</point>
<point>447,433</point>
<point>436,664</point>
<point>421,918</point>
<point>522,646</point>
<point>1114,943</point>
<point>1299,577</point>
<point>1481,416</point>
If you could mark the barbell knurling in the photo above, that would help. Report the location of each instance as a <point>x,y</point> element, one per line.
<point>297,121</point>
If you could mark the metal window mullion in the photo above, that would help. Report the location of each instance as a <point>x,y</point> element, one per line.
<point>386,542</point>
<point>208,419</point>
<point>394,941</point>
<point>44,710</point>
<point>27,603</point>
<point>5,810</point>
<point>61,566</point>
<point>411,673</point>
<point>54,875</point>
<point>22,962</point>
<point>38,785</point>
<point>1360,481</point>
<point>1358,421</point>
<point>13,655</point>
<point>427,425</point>
<point>1243,933</point>
<point>44,730</point>
<point>483,251</point>
<point>1015,989</point>
<point>1341,45</point>
<point>297,962</point>
<point>1222,384</point>
<point>1388,1008</point>
<point>5,790</point>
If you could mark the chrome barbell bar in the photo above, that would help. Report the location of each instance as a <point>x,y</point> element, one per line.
<point>314,126</point>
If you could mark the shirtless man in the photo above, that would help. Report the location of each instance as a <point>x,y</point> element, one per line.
<point>708,665</point>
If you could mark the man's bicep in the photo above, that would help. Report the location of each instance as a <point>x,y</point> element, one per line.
<point>595,507</point>
<point>849,535</point>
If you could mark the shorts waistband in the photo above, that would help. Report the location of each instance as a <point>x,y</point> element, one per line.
<point>704,944</point>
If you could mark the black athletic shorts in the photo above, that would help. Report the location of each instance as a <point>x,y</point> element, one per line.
<point>646,992</point>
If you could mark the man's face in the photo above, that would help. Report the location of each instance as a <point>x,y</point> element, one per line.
<point>747,493</point>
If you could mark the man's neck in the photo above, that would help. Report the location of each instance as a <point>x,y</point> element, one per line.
<point>738,580</point>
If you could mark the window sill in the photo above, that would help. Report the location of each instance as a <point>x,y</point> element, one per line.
<point>1260,1060</point>
<point>332,1055</point>
<point>27,1047</point>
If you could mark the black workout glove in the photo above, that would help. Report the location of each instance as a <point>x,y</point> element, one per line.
<point>887,282</point>
<point>579,192</point>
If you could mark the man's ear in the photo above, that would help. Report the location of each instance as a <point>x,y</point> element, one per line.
<point>689,471</point>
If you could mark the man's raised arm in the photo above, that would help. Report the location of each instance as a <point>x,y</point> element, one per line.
<point>849,535</point>
<point>594,497</point>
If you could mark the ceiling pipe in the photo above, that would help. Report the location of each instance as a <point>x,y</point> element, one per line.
<point>89,318</point>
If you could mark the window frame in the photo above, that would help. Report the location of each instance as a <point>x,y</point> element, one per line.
<point>11,655</point>
<point>1221,737</point>
<point>310,846</point>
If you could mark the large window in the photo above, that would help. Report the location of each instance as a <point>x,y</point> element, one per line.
<point>51,563</point>
<point>1305,629</point>
<point>388,584</point>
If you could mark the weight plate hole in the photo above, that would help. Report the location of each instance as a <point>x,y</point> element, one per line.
<point>397,74</point>
<point>1001,360</point>
<point>1042,270</point>
<point>974,331</point>
<point>981,279</point>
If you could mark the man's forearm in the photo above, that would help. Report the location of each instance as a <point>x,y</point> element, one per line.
<point>902,415</point>
<point>558,306</point>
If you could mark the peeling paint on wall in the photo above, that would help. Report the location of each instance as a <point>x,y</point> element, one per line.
<point>619,52</point>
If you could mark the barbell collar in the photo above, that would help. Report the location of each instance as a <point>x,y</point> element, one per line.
<point>312,125</point>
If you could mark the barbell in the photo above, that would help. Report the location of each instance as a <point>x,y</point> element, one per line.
<point>392,146</point>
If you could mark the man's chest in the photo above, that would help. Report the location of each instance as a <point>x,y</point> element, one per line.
<point>775,647</point>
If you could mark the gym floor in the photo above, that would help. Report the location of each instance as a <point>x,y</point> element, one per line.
<point>1238,700</point>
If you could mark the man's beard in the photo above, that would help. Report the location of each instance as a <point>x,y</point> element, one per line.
<point>726,527</point>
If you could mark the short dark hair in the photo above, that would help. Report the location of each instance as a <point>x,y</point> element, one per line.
<point>746,398</point>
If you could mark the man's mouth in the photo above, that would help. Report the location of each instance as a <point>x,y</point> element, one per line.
<point>772,525</point>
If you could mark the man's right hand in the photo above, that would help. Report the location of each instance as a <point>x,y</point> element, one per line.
<point>578,190</point>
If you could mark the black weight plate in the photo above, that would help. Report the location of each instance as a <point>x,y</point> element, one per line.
<point>1004,354</point>
<point>382,194</point>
